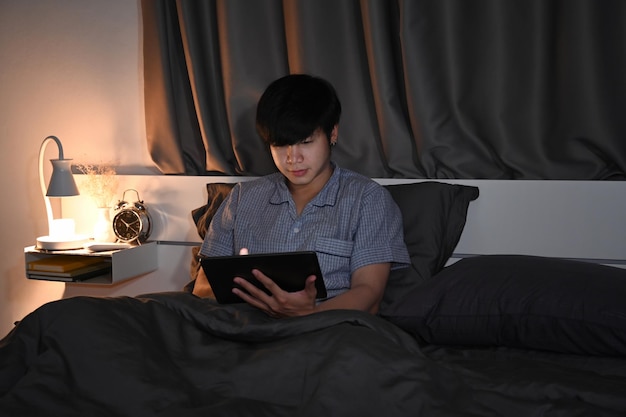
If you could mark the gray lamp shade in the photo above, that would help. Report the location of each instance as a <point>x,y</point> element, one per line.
<point>62,181</point>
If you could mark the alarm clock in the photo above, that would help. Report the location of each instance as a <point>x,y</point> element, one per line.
<point>131,222</point>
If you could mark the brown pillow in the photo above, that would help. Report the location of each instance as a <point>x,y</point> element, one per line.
<point>216,193</point>
<point>202,216</point>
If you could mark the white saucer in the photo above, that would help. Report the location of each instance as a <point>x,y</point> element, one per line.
<point>55,243</point>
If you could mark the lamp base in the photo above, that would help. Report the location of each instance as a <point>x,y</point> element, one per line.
<point>56,243</point>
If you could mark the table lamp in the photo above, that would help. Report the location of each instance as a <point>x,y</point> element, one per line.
<point>61,232</point>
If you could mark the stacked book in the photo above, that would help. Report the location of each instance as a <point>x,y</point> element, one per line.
<point>68,268</point>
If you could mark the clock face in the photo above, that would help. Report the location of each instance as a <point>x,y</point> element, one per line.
<point>127,225</point>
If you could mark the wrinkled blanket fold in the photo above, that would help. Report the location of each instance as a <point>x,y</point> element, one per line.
<point>173,354</point>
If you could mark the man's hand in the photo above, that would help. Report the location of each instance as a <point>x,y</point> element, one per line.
<point>365,293</point>
<point>280,303</point>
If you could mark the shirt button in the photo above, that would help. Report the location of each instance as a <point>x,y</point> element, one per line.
<point>296,229</point>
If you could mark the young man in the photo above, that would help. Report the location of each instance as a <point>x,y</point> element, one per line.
<point>310,204</point>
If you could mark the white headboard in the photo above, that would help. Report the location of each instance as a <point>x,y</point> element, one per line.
<point>583,220</point>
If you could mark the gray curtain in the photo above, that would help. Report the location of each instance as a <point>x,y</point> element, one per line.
<point>497,89</point>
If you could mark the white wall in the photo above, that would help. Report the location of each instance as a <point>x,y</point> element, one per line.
<point>70,68</point>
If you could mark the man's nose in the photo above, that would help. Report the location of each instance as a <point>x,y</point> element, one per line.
<point>293,153</point>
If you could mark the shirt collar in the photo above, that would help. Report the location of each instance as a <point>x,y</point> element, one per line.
<point>326,197</point>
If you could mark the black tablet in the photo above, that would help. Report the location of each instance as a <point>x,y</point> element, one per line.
<point>288,269</point>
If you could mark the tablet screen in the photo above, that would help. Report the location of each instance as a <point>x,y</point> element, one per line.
<point>289,270</point>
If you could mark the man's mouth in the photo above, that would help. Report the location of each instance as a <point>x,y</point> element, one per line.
<point>298,172</point>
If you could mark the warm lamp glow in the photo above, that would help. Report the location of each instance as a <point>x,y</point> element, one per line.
<point>63,228</point>
<point>61,233</point>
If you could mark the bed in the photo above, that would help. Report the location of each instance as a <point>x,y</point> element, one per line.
<point>475,327</point>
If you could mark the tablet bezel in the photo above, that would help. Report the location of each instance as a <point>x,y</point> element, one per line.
<point>288,269</point>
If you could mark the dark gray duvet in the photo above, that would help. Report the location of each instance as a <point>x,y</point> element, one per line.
<point>173,354</point>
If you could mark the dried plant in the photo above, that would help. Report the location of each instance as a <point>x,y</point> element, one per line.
<point>100,183</point>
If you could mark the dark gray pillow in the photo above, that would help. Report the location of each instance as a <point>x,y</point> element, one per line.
<point>433,214</point>
<point>520,301</point>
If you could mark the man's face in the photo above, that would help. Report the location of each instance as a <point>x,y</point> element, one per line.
<point>307,162</point>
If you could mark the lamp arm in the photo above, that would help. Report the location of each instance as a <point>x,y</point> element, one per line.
<point>42,182</point>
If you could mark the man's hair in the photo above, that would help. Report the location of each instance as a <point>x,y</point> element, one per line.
<point>295,106</point>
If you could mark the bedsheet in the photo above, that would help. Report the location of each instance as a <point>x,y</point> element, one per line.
<point>173,354</point>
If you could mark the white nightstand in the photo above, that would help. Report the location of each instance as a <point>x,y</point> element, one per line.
<point>125,263</point>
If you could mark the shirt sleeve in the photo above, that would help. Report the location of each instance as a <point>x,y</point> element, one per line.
<point>379,236</point>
